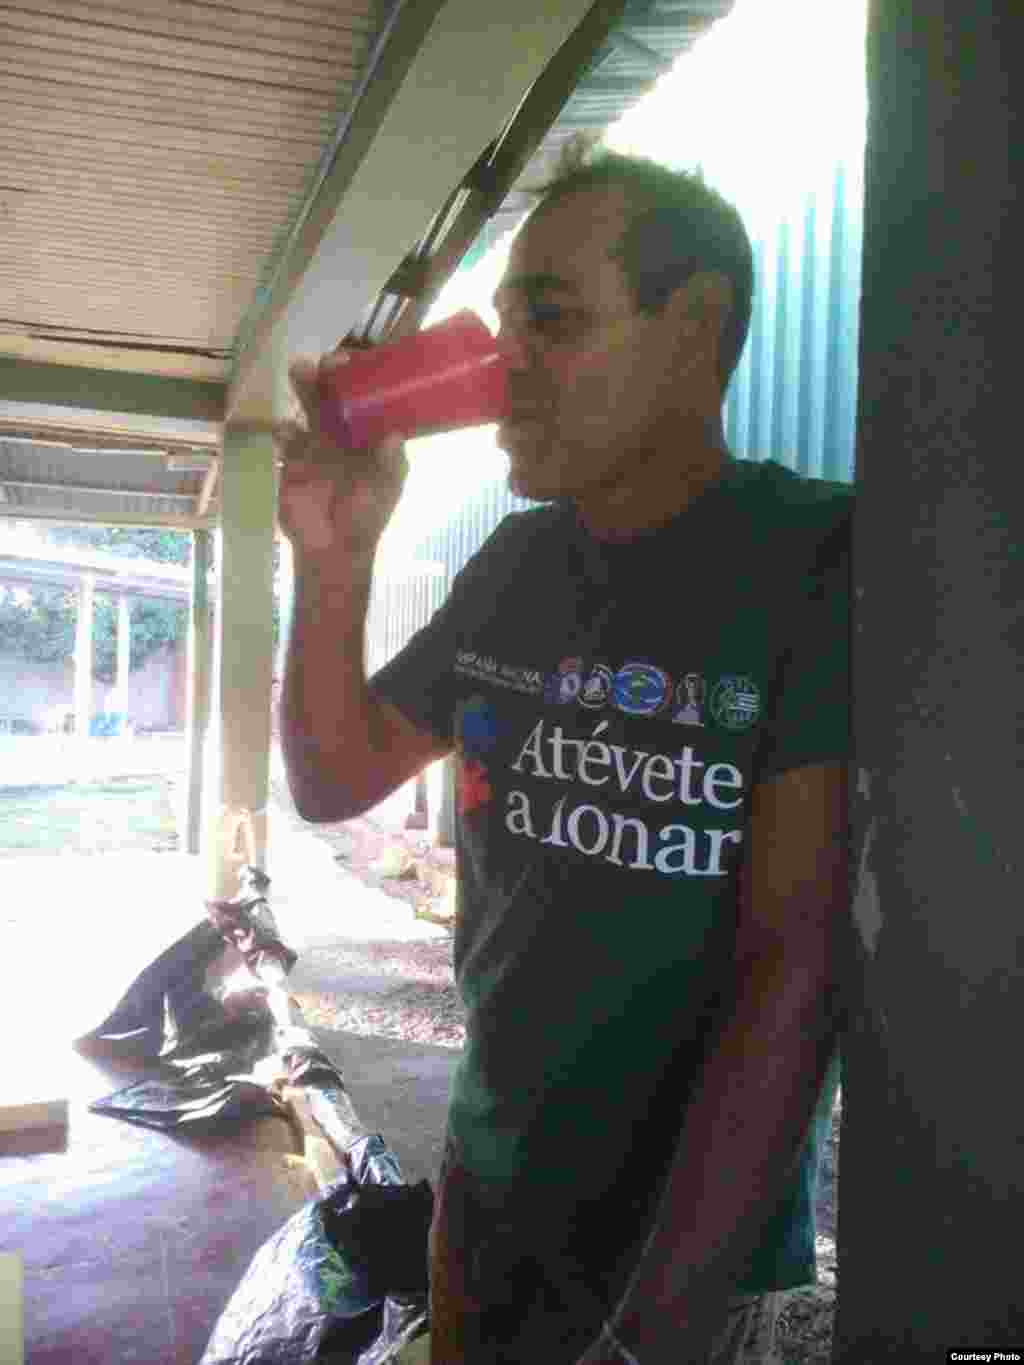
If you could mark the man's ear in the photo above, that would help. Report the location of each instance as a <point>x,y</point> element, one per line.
<point>701,307</point>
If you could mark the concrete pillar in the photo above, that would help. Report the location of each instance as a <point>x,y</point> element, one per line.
<point>245,626</point>
<point>931,1198</point>
<point>83,656</point>
<point>124,652</point>
<point>446,803</point>
<point>200,670</point>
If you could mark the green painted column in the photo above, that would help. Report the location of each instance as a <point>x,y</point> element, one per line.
<point>238,825</point>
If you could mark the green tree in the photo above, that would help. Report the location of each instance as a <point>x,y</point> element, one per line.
<point>164,546</point>
<point>39,623</point>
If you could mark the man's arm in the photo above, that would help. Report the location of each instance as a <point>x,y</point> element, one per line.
<point>750,1114</point>
<point>344,749</point>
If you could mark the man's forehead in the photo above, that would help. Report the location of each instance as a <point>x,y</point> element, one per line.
<point>562,243</point>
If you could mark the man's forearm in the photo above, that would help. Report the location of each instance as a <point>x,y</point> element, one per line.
<point>324,700</point>
<point>742,1134</point>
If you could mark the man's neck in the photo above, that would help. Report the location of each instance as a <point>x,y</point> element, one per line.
<point>658,492</point>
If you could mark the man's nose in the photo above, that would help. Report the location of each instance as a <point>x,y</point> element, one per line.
<point>514,346</point>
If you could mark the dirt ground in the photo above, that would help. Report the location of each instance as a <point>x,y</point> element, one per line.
<point>406,990</point>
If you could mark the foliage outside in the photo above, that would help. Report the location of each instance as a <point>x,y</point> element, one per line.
<point>39,623</point>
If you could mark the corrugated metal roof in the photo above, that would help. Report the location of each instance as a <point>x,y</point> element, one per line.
<point>152,150</point>
<point>140,484</point>
<point>649,38</point>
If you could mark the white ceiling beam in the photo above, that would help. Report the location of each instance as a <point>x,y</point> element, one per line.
<point>21,420</point>
<point>54,350</point>
<point>440,92</point>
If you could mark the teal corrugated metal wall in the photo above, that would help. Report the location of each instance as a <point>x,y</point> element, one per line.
<point>792,399</point>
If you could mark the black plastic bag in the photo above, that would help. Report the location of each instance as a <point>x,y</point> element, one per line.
<point>343,1282</point>
<point>205,1034</point>
<point>193,1099</point>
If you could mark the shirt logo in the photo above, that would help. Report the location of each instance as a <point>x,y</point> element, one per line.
<point>641,689</point>
<point>735,702</point>
<point>477,726</point>
<point>690,700</point>
<point>566,683</point>
<point>476,730</point>
<point>598,687</point>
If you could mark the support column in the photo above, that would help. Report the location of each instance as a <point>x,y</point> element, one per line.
<point>246,628</point>
<point>83,657</point>
<point>931,1197</point>
<point>124,653</point>
<point>446,803</point>
<point>200,670</point>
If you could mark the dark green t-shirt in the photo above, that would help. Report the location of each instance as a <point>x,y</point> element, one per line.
<point>612,707</point>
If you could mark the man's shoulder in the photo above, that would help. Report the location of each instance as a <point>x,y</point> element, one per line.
<point>793,510</point>
<point>521,534</point>
<point>779,490</point>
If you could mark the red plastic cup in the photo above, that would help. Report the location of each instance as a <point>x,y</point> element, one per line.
<point>445,377</point>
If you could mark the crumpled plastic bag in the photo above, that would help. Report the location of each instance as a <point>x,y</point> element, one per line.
<point>196,1098</point>
<point>343,1282</point>
<point>205,1035</point>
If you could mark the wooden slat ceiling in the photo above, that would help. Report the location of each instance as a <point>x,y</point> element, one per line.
<point>156,160</point>
<point>152,152</point>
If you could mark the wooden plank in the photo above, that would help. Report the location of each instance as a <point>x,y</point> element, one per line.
<point>39,1109</point>
<point>44,319</point>
<point>35,282</point>
<point>113,132</point>
<point>161,317</point>
<point>266,118</point>
<point>74,68</point>
<point>228,214</point>
<point>106,244</point>
<point>98,241</point>
<point>12,1308</point>
<point>134,161</point>
<point>305,11</point>
<point>219,208</point>
<point>133,268</point>
<point>152,237</point>
<point>49,34</point>
<point>194,24</point>
<point>71,351</point>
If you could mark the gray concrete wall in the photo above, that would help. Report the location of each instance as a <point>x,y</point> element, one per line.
<point>932,1184</point>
